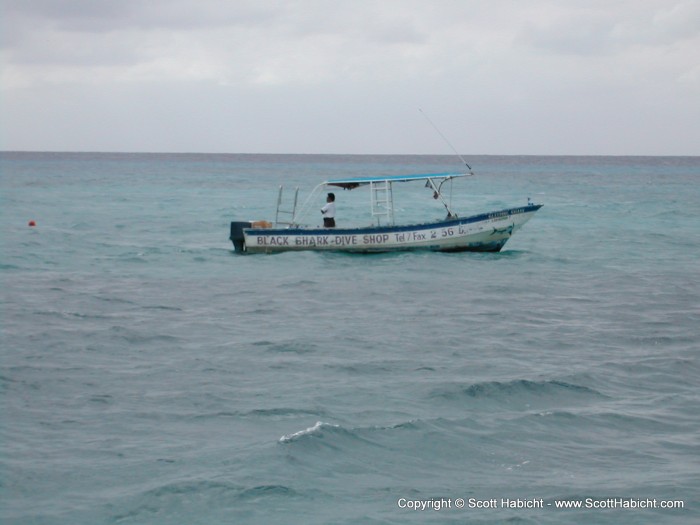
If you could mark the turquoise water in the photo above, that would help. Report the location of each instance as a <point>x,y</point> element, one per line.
<point>150,375</point>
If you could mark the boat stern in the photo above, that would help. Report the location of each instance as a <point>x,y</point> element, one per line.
<point>237,237</point>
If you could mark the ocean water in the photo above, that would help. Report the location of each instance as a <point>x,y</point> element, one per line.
<point>150,375</point>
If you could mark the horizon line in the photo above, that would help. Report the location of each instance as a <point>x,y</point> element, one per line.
<point>103,152</point>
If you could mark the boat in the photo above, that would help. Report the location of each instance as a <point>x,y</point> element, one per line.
<point>484,232</point>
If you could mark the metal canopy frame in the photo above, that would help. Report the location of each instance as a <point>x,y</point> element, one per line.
<point>381,195</point>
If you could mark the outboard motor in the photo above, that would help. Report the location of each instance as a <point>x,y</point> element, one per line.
<point>237,237</point>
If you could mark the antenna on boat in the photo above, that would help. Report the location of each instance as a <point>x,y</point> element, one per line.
<point>448,142</point>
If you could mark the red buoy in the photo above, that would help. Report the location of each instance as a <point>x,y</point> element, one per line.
<point>32,224</point>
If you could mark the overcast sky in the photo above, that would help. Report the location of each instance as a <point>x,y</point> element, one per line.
<point>610,77</point>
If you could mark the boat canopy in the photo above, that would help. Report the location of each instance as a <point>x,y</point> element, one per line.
<point>381,196</point>
<point>352,183</point>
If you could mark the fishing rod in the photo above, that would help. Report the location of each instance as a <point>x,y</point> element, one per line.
<point>448,142</point>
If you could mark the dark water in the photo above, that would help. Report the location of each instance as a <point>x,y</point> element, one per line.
<point>149,375</point>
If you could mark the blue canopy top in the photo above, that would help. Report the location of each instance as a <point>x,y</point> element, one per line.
<point>358,181</point>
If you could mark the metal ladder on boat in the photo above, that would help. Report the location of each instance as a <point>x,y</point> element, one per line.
<point>382,201</point>
<point>291,213</point>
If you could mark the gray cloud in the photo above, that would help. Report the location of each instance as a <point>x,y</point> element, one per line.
<point>94,17</point>
<point>504,76</point>
<point>606,31</point>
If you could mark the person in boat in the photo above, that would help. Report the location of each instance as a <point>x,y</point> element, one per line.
<point>328,211</point>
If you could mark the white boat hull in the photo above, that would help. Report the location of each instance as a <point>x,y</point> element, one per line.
<point>487,232</point>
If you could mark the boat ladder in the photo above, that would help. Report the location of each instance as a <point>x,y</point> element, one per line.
<point>382,201</point>
<point>291,213</point>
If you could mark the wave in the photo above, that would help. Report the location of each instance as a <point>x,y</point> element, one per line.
<point>334,434</point>
<point>318,430</point>
<point>276,412</point>
<point>279,412</point>
<point>183,488</point>
<point>151,501</point>
<point>162,307</point>
<point>291,347</point>
<point>70,315</point>
<point>519,395</point>
<point>517,390</point>
<point>360,368</point>
<point>266,491</point>
<point>601,419</point>
<point>167,499</point>
<point>134,337</point>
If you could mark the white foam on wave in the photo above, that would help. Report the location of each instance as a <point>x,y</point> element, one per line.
<point>311,430</point>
